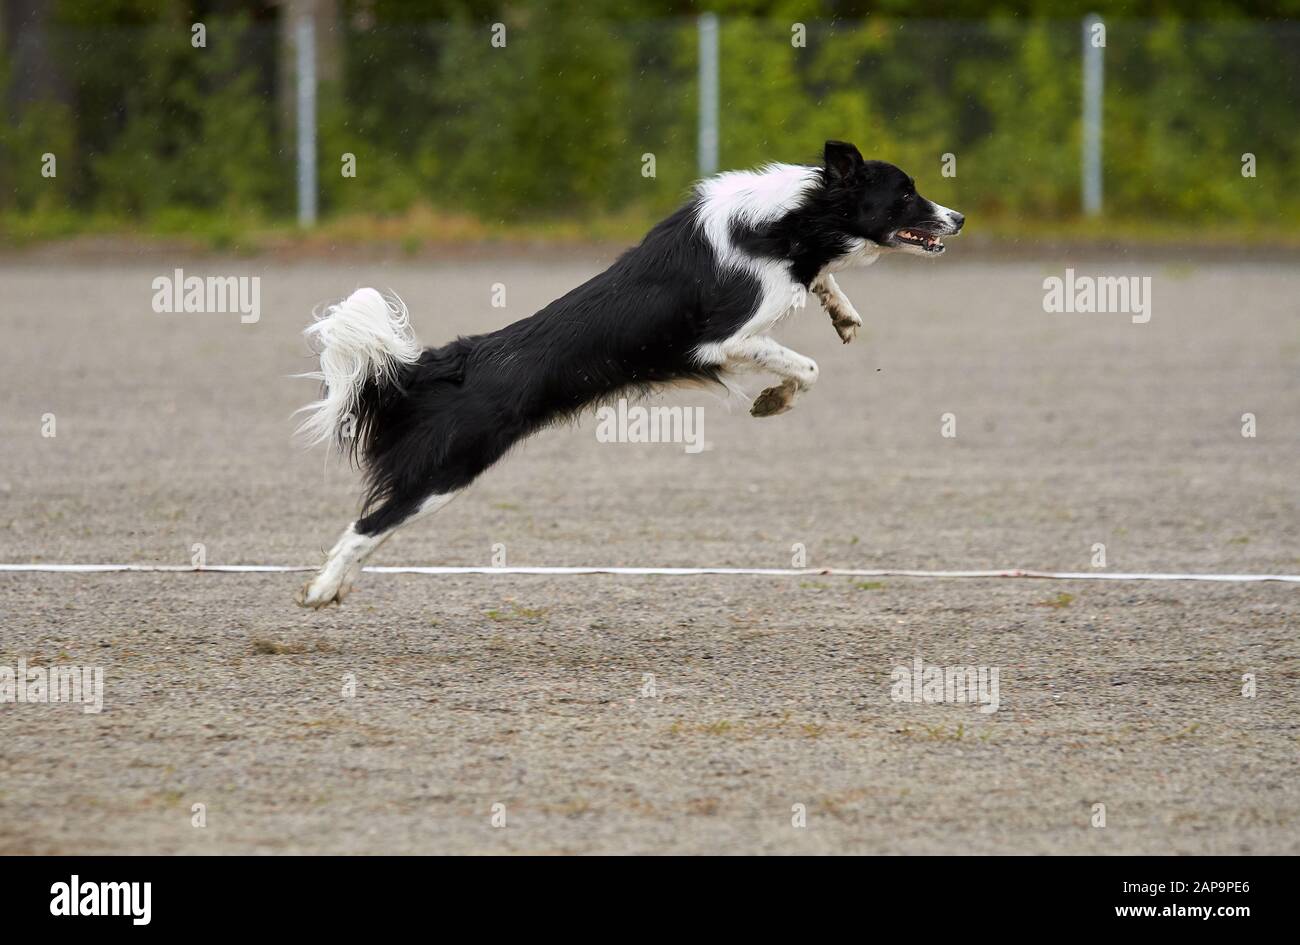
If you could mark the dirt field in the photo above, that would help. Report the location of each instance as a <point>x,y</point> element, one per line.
<point>666,714</point>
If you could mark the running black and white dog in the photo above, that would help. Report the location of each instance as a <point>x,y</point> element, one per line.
<point>694,302</point>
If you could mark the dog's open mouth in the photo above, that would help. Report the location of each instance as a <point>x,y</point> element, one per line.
<point>926,241</point>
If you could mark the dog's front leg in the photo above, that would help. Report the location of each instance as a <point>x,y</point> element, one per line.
<point>843,315</point>
<point>797,373</point>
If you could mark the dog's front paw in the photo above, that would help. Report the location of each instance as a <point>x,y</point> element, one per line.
<point>846,320</point>
<point>773,401</point>
<point>848,330</point>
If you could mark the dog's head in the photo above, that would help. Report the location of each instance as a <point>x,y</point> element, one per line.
<point>878,202</point>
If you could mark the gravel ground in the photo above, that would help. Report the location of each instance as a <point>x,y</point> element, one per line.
<point>666,714</point>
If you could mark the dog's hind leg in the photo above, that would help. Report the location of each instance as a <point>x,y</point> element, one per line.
<point>343,565</point>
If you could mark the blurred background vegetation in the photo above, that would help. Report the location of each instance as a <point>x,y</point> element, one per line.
<point>455,139</point>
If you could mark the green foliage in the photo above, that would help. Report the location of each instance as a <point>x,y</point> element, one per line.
<point>153,128</point>
<point>44,128</point>
<point>556,120</point>
<point>545,94</point>
<point>1208,95</point>
<point>1023,154</point>
<point>560,121</point>
<point>197,134</point>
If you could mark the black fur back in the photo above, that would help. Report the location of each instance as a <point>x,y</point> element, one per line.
<point>461,407</point>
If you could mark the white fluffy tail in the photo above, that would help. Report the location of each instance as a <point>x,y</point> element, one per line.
<point>364,337</point>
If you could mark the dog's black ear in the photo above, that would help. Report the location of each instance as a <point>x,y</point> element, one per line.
<point>843,160</point>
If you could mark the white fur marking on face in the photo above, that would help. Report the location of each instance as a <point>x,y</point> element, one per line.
<point>949,216</point>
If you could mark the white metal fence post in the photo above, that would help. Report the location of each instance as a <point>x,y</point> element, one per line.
<point>1094,52</point>
<point>306,83</point>
<point>707,26</point>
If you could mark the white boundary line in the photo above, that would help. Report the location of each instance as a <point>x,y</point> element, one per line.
<point>763,572</point>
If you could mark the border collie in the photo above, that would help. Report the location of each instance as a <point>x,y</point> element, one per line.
<point>694,302</point>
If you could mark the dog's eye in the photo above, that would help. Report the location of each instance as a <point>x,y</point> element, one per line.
<point>907,198</point>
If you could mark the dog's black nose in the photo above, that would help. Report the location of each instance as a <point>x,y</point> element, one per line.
<point>957,219</point>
